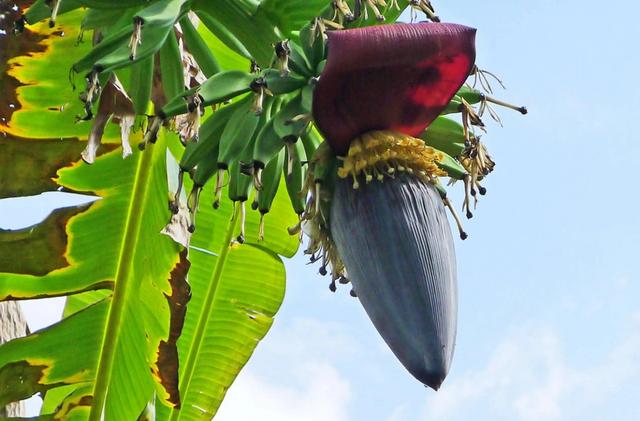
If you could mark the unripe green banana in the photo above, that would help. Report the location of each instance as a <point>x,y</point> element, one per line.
<point>208,166</point>
<point>254,30</point>
<point>209,138</point>
<point>238,136</point>
<point>141,83</point>
<point>118,37</point>
<point>446,135</point>
<point>311,139</point>
<point>292,120</point>
<point>218,88</point>
<point>312,42</point>
<point>295,174</point>
<point>39,10</point>
<point>110,4</point>
<point>271,181</point>
<point>453,168</point>
<point>223,34</point>
<point>306,96</point>
<point>297,60</point>
<point>454,106</point>
<point>101,19</point>
<point>151,40</point>
<point>150,29</point>
<point>161,13</point>
<point>241,183</point>
<point>471,95</point>
<point>267,145</point>
<point>171,67</point>
<point>198,48</point>
<point>278,84</point>
<point>239,131</point>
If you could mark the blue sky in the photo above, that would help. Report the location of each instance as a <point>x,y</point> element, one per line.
<point>549,324</point>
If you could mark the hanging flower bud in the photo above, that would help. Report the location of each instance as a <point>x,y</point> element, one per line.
<point>375,216</point>
<point>401,261</point>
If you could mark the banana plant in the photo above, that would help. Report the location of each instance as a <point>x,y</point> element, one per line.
<point>258,123</point>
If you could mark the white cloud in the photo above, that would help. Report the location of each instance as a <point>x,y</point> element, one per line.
<point>529,377</point>
<point>307,386</point>
<point>303,337</point>
<point>323,396</point>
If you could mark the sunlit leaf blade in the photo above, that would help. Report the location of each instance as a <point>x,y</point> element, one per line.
<point>245,299</point>
<point>102,250</point>
<point>27,167</point>
<point>233,301</point>
<point>41,360</point>
<point>228,59</point>
<point>96,249</point>
<point>115,248</point>
<point>48,103</point>
<point>38,102</point>
<point>39,249</point>
<point>291,15</point>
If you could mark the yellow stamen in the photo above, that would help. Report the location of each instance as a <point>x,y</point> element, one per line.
<point>379,152</point>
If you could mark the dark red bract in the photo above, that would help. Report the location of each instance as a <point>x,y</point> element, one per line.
<point>390,77</point>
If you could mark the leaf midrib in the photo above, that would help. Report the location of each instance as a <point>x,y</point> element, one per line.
<point>203,320</point>
<point>121,289</point>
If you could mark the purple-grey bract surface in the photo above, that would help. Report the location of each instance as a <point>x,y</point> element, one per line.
<point>397,247</point>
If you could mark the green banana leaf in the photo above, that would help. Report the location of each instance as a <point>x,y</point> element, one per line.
<point>259,25</point>
<point>117,346</point>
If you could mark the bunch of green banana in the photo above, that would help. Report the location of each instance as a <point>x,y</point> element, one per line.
<point>148,37</point>
<point>253,128</point>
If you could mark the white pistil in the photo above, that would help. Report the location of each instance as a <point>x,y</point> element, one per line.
<point>261,228</point>
<point>192,205</point>
<point>243,219</point>
<point>55,7</point>
<point>257,179</point>
<point>258,100</point>
<point>447,203</point>
<point>93,89</point>
<point>521,110</point>
<point>175,207</point>
<point>291,153</point>
<point>467,194</point>
<point>136,38</point>
<point>219,184</point>
<point>152,132</point>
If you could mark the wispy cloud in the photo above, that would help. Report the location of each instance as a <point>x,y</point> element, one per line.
<point>309,386</point>
<point>529,377</point>
<point>324,396</point>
